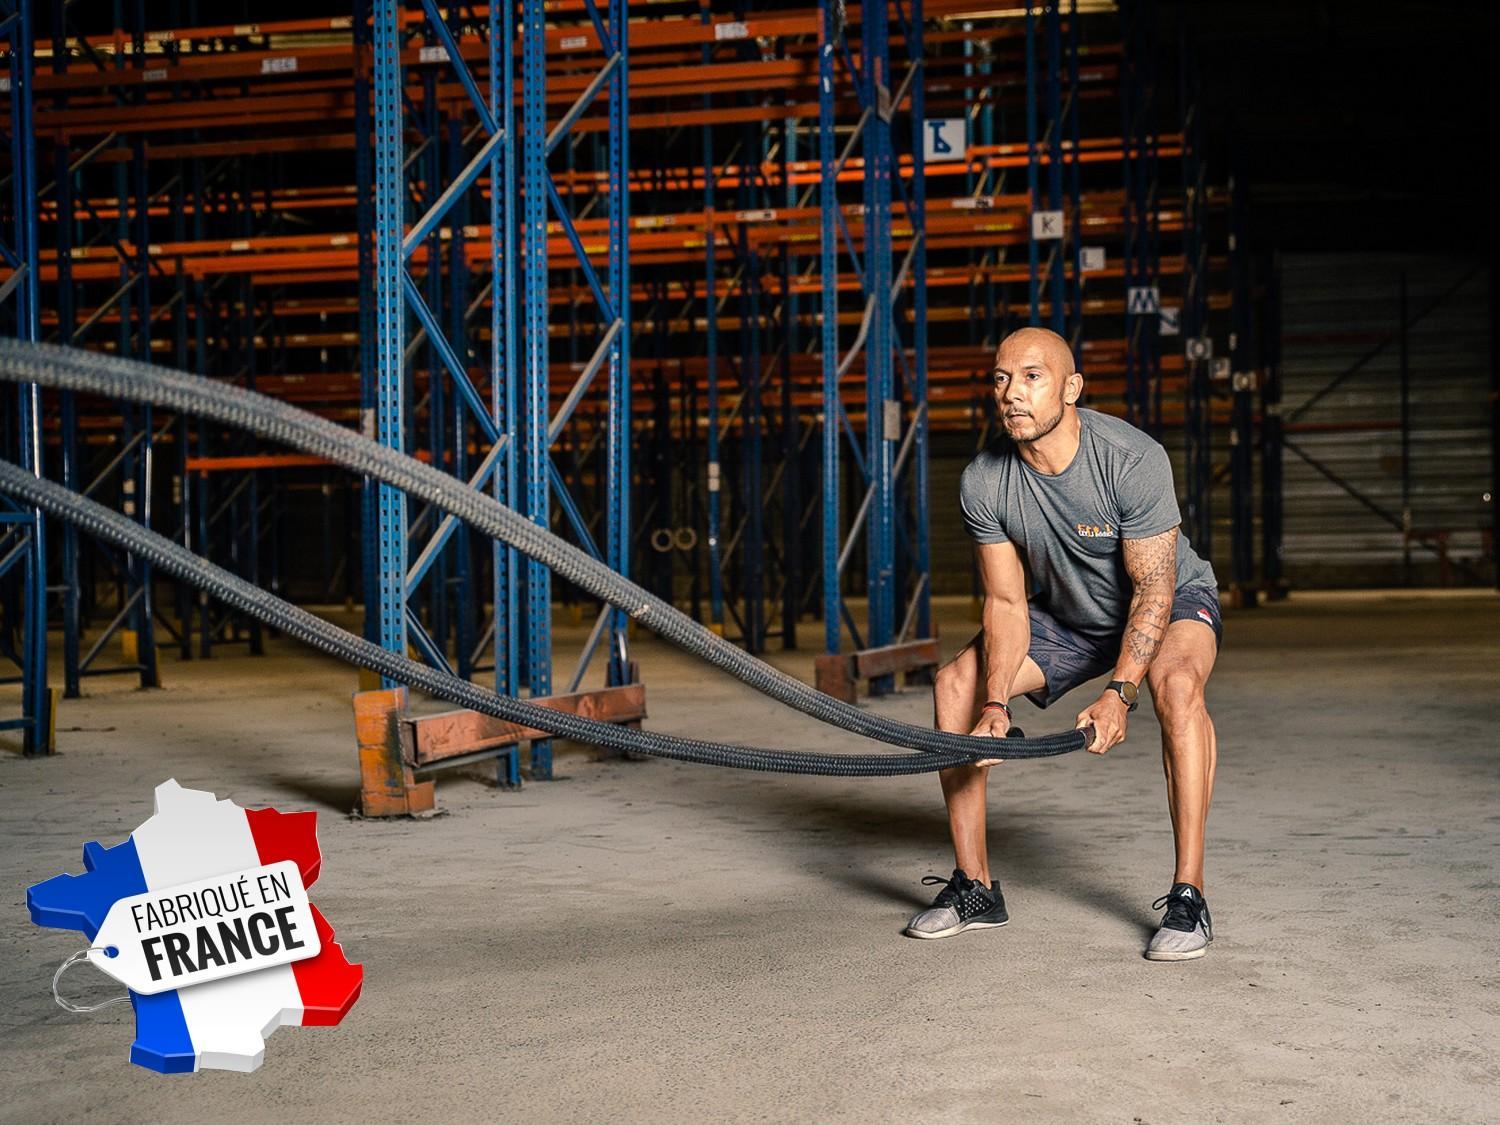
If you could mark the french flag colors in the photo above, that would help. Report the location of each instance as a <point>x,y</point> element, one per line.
<point>221,1024</point>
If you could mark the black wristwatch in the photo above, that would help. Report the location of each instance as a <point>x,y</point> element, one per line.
<point>1126,690</point>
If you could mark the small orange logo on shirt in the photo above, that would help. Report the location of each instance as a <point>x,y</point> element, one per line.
<point>1095,531</point>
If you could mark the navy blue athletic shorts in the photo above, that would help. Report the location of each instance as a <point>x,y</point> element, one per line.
<point>1068,658</point>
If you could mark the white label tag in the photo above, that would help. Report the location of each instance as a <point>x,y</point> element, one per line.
<point>1046,225</point>
<point>1199,347</point>
<point>433,54</point>
<point>944,138</point>
<point>1091,258</point>
<point>713,476</point>
<point>892,412</point>
<point>574,42</point>
<point>1170,323</point>
<point>207,930</point>
<point>284,65</point>
<point>1142,300</point>
<point>724,31</point>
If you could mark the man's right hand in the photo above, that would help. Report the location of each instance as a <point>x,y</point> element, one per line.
<point>994,723</point>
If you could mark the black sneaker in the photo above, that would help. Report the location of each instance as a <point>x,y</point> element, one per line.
<point>1186,928</point>
<point>961,904</point>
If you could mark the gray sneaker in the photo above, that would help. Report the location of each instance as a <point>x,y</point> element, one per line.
<point>962,904</point>
<point>1186,928</point>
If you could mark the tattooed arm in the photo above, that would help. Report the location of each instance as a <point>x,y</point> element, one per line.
<point>1152,566</point>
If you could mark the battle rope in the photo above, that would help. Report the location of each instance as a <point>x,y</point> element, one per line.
<point>236,592</point>
<point>69,369</point>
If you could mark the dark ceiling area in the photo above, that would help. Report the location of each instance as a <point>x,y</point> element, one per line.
<point>1359,126</point>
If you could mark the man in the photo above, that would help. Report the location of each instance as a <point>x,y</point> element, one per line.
<point>1078,507</point>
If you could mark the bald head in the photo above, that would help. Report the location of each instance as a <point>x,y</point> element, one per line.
<point>1025,343</point>
<point>1036,383</point>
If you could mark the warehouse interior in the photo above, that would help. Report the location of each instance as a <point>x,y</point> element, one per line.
<point>712,293</point>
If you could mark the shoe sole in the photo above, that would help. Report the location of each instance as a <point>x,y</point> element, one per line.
<point>1168,955</point>
<point>954,931</point>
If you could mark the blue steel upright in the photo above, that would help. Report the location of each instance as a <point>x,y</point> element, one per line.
<point>18,251</point>
<point>390,326</point>
<point>829,265</point>
<point>538,611</point>
<point>1198,399</point>
<point>880,439</point>
<point>504,353</point>
<point>619,441</point>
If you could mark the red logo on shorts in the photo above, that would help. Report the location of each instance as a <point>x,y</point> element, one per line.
<point>1203,613</point>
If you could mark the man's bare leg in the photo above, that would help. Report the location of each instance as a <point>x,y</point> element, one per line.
<point>957,696</point>
<point>1189,752</point>
<point>1189,745</point>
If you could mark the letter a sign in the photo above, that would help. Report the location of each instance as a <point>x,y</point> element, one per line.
<point>944,138</point>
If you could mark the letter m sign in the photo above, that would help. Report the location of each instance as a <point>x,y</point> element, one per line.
<point>1143,300</point>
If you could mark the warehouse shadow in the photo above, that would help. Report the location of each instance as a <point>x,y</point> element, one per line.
<point>334,796</point>
<point>1024,849</point>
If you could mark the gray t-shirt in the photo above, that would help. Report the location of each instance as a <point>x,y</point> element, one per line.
<point>1068,526</point>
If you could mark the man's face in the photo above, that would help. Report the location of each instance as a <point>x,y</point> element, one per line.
<point>1029,387</point>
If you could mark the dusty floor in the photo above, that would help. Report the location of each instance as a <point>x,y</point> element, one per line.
<point>653,941</point>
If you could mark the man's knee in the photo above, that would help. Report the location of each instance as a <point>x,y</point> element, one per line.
<point>1178,695</point>
<point>955,680</point>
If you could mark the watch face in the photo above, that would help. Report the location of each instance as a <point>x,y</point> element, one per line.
<point>1128,692</point>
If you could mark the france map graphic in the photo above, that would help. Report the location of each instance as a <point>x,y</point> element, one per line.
<point>222,1024</point>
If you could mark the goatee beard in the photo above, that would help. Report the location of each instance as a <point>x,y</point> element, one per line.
<point>1042,430</point>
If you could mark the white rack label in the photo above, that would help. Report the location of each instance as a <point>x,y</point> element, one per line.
<point>574,42</point>
<point>1046,225</point>
<point>1142,300</point>
<point>944,138</point>
<point>287,64</point>
<point>1091,259</point>
<point>731,31</point>
<point>1170,322</point>
<point>433,54</point>
<point>892,411</point>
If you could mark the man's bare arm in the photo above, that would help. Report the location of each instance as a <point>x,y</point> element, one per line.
<point>1152,566</point>
<point>1007,628</point>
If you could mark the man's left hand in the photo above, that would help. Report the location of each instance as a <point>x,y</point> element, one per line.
<point>1107,716</point>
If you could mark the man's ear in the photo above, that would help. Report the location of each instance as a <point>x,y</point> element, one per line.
<point>1073,388</point>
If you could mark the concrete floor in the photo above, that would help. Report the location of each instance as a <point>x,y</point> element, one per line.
<point>654,941</point>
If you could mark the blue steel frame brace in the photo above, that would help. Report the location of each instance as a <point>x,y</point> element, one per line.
<point>456,406</point>
<point>893,463</point>
<point>18,249</point>
<point>612,299</point>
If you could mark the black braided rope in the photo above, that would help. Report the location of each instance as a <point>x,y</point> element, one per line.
<point>247,598</point>
<point>70,369</point>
